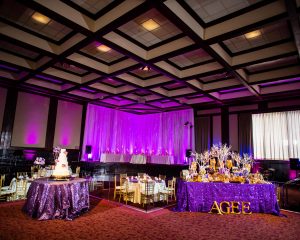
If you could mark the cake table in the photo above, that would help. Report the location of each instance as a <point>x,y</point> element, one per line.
<point>49,199</point>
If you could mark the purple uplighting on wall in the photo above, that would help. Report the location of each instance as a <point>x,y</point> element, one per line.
<point>31,137</point>
<point>30,121</point>
<point>29,154</point>
<point>68,123</point>
<point>113,131</point>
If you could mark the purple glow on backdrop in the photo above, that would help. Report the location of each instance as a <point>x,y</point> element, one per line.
<point>292,174</point>
<point>30,120</point>
<point>68,122</point>
<point>31,137</point>
<point>112,131</point>
<point>29,154</point>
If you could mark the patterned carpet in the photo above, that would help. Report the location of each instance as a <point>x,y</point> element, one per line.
<point>107,220</point>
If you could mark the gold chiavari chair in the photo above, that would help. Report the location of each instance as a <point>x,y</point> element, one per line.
<point>162,177</point>
<point>21,187</point>
<point>126,192</point>
<point>118,188</point>
<point>141,175</point>
<point>171,188</point>
<point>77,171</point>
<point>2,180</point>
<point>98,182</point>
<point>147,194</point>
<point>123,175</point>
<point>8,192</point>
<point>21,174</point>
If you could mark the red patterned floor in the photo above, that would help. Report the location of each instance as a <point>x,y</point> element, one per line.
<point>110,221</point>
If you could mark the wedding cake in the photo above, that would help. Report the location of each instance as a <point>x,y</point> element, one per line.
<point>61,169</point>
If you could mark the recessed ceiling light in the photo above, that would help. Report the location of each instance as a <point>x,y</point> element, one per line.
<point>40,18</point>
<point>253,34</point>
<point>145,68</point>
<point>103,48</point>
<point>150,24</point>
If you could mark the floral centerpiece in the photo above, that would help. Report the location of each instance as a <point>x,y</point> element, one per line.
<point>221,164</point>
<point>56,151</point>
<point>39,161</point>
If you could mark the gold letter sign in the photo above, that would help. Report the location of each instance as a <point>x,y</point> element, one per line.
<point>234,206</point>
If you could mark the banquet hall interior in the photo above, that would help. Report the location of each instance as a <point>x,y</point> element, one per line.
<point>150,119</point>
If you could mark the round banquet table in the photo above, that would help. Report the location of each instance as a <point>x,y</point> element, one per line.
<point>50,199</point>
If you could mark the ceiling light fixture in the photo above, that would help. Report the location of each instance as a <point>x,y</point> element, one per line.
<point>253,34</point>
<point>145,68</point>
<point>40,18</point>
<point>150,25</point>
<point>103,48</point>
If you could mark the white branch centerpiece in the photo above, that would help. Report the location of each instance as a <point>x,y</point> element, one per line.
<point>220,160</point>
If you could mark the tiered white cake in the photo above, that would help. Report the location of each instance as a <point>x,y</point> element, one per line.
<point>61,169</point>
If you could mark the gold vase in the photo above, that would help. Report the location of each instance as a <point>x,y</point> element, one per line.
<point>229,164</point>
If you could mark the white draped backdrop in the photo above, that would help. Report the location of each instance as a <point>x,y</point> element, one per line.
<point>276,135</point>
<point>113,131</point>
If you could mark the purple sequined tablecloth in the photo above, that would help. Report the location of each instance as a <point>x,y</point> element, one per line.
<point>49,199</point>
<point>199,197</point>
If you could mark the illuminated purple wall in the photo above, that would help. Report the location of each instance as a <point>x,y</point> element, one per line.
<point>113,131</point>
<point>68,125</point>
<point>30,122</point>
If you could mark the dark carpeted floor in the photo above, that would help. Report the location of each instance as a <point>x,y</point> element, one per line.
<point>108,220</point>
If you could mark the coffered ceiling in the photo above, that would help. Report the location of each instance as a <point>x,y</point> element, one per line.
<point>146,56</point>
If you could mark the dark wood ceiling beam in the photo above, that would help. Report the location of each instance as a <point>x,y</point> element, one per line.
<point>162,8</point>
<point>90,36</point>
<point>153,66</point>
<point>246,29</point>
<point>294,21</point>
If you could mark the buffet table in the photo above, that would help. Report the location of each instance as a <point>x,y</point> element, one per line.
<point>138,159</point>
<point>200,196</point>
<point>157,159</point>
<point>112,157</point>
<point>49,199</point>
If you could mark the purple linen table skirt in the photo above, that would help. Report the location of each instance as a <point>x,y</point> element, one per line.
<point>199,197</point>
<point>48,199</point>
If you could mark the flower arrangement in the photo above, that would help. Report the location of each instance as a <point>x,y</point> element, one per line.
<point>39,161</point>
<point>222,153</point>
<point>56,151</point>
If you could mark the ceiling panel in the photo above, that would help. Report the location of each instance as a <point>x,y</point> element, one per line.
<point>151,56</point>
<point>135,30</point>
<point>19,15</point>
<point>266,35</point>
<point>209,10</point>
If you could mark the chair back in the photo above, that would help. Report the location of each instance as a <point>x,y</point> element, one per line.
<point>149,188</point>
<point>21,174</point>
<point>124,175</point>
<point>21,186</point>
<point>13,184</point>
<point>115,180</point>
<point>174,182</point>
<point>141,175</point>
<point>2,181</point>
<point>162,177</point>
<point>170,183</point>
<point>123,179</point>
